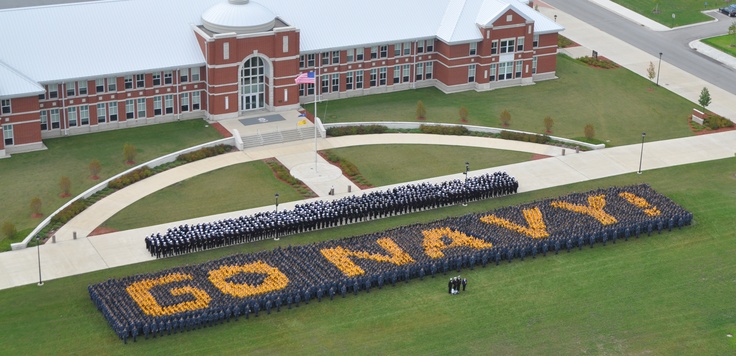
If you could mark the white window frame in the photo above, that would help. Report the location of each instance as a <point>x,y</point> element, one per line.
<point>101,113</point>
<point>130,109</point>
<point>535,41</point>
<point>128,82</point>
<point>471,73</point>
<point>157,106</point>
<point>82,87</point>
<point>382,76</point>
<point>419,74</point>
<point>43,116</point>
<point>168,104</point>
<point>349,77</point>
<point>183,75</point>
<point>112,111</point>
<point>373,80</point>
<point>507,45</point>
<point>359,79</point>
<point>184,102</point>
<point>397,50</point>
<point>112,84</point>
<point>53,91</point>
<point>335,82</point>
<point>196,101</point>
<point>473,50</point>
<point>156,79</point>
<point>8,136</point>
<point>72,91</point>
<point>407,48</point>
<point>492,72</point>
<point>520,44</point>
<point>55,118</point>
<point>140,81</point>
<point>359,54</point>
<point>374,52</point>
<point>350,55</point>
<point>534,64</point>
<point>84,115</point>
<point>168,77</point>
<point>406,73</point>
<point>195,73</point>
<point>100,85</point>
<point>71,116</point>
<point>397,74</point>
<point>429,46</point>
<point>5,105</point>
<point>428,70</point>
<point>140,105</point>
<point>335,57</point>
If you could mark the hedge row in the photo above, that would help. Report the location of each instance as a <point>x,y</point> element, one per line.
<point>715,122</point>
<point>70,211</point>
<point>444,130</point>
<point>356,130</point>
<point>600,63</point>
<point>130,178</point>
<point>525,137</point>
<point>203,153</point>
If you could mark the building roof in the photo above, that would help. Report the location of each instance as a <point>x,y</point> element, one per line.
<point>14,84</point>
<point>117,37</point>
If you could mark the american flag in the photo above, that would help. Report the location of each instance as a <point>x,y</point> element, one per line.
<point>305,78</point>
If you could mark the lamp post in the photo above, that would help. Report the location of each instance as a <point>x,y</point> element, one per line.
<point>465,188</point>
<point>659,65</point>
<point>278,222</point>
<point>38,249</point>
<point>641,155</point>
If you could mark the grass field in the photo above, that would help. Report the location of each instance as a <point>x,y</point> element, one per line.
<point>686,11</point>
<point>232,188</point>
<point>723,43</point>
<point>618,103</point>
<point>27,175</point>
<point>666,294</point>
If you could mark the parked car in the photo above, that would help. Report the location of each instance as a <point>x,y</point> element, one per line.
<point>729,10</point>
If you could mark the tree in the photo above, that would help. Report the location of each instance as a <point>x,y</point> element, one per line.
<point>651,73</point>
<point>704,99</point>
<point>589,131</point>
<point>129,152</point>
<point>65,184</point>
<point>463,112</point>
<point>548,123</point>
<point>94,169</point>
<point>421,111</point>
<point>505,118</point>
<point>732,32</point>
<point>36,207</point>
<point>9,230</point>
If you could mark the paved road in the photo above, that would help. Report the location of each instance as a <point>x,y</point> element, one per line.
<point>673,44</point>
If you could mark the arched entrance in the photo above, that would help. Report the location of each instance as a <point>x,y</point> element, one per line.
<point>253,84</point>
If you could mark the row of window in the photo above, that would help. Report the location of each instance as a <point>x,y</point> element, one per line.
<point>359,54</point>
<point>108,112</point>
<point>330,83</point>
<point>110,85</point>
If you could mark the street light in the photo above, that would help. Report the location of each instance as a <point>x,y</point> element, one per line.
<point>277,201</point>
<point>278,223</point>
<point>659,65</point>
<point>38,249</point>
<point>641,155</point>
<point>465,188</point>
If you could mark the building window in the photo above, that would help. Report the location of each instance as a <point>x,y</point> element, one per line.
<point>494,47</point>
<point>335,57</point>
<point>471,73</point>
<point>5,105</point>
<point>84,115</point>
<point>8,134</point>
<point>382,74</point>
<point>325,80</point>
<point>420,46</point>
<point>168,78</point>
<point>325,56</point>
<point>53,91</point>
<point>359,53</point>
<point>113,109</point>
<point>157,107</point>
<point>509,18</point>
<point>71,89</point>
<point>534,65</point>
<point>196,100</point>
<point>507,46</point>
<point>140,80</point>
<point>349,81</point>
<point>55,119</point>
<point>473,49</point>
<point>302,61</point>
<point>42,96</point>
<point>184,102</point>
<point>195,73</point>
<point>430,46</point>
<point>141,106</point>
<point>128,82</point>
<point>505,70</point>
<point>82,85</point>
<point>374,78</point>
<point>407,48</point>
<point>310,59</point>
<point>169,104</point>
<point>100,85</point>
<point>406,73</point>
<point>397,50</point>
<point>428,69</point>
<point>130,109</point>
<point>350,55</point>
<point>397,74</point>
<point>101,113</point>
<point>226,51</point>
<point>156,79</point>
<point>335,82</point>
<point>520,44</point>
<point>492,75</point>
<point>112,84</point>
<point>44,116</point>
<point>535,42</point>
<point>519,64</point>
<point>420,71</point>
<point>359,79</point>
<point>183,75</point>
<point>71,116</point>
<point>374,52</point>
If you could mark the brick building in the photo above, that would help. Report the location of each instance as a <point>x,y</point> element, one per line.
<point>88,67</point>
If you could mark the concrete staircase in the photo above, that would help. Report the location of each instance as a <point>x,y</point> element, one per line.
<point>278,136</point>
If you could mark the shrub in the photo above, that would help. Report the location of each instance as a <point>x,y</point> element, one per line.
<point>589,131</point>
<point>600,63</point>
<point>548,123</point>
<point>36,206</point>
<point>94,168</point>
<point>9,230</point>
<point>505,118</point>
<point>129,153</point>
<point>203,153</point>
<point>524,136</point>
<point>70,211</point>
<point>130,178</point>
<point>356,130</point>
<point>444,130</point>
<point>65,184</point>
<point>463,113</point>
<point>714,121</point>
<point>563,41</point>
<point>421,112</point>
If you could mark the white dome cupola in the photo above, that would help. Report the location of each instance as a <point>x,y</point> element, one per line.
<point>239,16</point>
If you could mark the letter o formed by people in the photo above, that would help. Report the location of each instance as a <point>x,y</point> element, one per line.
<point>275,279</point>
<point>141,293</point>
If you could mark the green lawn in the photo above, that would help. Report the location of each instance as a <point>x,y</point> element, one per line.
<point>686,11</point>
<point>252,184</point>
<point>618,103</point>
<point>666,294</point>
<point>26,175</point>
<point>725,43</point>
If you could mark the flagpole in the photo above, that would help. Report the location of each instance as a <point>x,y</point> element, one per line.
<point>318,79</point>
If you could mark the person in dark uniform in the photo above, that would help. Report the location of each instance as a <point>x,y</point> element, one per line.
<point>449,286</point>
<point>465,283</point>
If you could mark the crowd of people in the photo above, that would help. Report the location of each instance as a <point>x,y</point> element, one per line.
<point>322,214</point>
<point>305,274</point>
